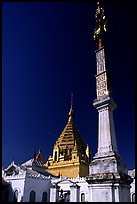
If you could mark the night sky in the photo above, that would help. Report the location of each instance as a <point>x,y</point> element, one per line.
<point>48,52</point>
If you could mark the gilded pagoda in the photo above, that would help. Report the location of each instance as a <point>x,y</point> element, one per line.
<point>71,156</point>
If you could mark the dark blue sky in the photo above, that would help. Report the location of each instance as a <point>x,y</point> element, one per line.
<point>48,52</point>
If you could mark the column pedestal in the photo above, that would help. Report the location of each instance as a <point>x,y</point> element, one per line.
<point>109,187</point>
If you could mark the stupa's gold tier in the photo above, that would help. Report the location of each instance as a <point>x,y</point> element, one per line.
<point>71,156</point>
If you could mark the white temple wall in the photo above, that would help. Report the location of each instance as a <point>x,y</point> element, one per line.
<point>39,186</point>
<point>17,183</point>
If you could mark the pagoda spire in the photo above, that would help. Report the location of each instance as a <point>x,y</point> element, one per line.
<point>100,28</point>
<point>69,153</point>
<point>71,108</point>
<point>39,156</point>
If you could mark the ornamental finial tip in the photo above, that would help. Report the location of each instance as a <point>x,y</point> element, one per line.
<point>71,109</point>
<point>100,28</point>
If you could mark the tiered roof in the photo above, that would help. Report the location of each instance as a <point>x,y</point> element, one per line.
<point>70,137</point>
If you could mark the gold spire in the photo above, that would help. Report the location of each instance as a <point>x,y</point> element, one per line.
<point>69,153</point>
<point>100,28</point>
<point>71,108</point>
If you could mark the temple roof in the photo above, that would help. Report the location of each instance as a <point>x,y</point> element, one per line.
<point>36,171</point>
<point>28,163</point>
<point>70,136</point>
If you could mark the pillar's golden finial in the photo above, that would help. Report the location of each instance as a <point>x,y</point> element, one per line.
<point>100,28</point>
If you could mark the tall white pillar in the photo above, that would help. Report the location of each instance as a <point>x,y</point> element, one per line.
<point>108,179</point>
<point>54,193</point>
<point>90,193</point>
<point>74,193</point>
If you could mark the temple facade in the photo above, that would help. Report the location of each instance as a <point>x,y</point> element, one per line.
<point>30,182</point>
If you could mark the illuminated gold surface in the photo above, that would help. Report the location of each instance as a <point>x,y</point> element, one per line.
<point>71,155</point>
<point>100,28</point>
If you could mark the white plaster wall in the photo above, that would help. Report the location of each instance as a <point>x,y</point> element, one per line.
<point>101,193</point>
<point>84,189</point>
<point>39,186</point>
<point>17,183</point>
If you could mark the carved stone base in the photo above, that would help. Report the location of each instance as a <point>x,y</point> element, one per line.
<point>109,187</point>
<point>109,178</point>
<point>107,164</point>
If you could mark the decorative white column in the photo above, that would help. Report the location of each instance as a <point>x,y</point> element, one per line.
<point>74,193</point>
<point>90,193</point>
<point>116,186</point>
<point>107,158</point>
<point>54,193</point>
<point>105,105</point>
<point>106,131</point>
<point>108,179</point>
